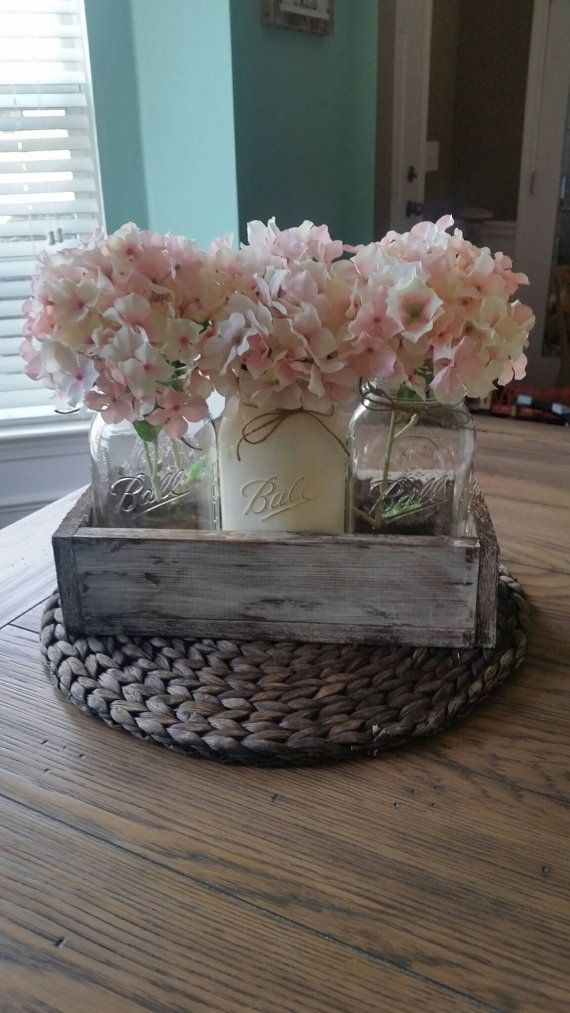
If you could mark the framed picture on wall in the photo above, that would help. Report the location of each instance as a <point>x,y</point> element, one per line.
<point>315,16</point>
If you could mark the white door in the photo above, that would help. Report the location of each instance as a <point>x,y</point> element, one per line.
<point>539,191</point>
<point>404,64</point>
<point>411,98</point>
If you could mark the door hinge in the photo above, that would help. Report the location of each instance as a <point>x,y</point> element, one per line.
<point>532,183</point>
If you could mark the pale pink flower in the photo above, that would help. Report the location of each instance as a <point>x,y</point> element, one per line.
<point>259,356</point>
<point>260,236</point>
<point>30,351</point>
<point>268,290</point>
<point>513,370</point>
<point>468,369</point>
<point>186,258</point>
<point>227,344</point>
<point>176,410</point>
<point>132,309</point>
<point>113,400</point>
<point>309,337</point>
<point>447,330</point>
<point>72,374</point>
<point>372,317</point>
<point>144,371</point>
<point>414,306</point>
<point>431,233</point>
<point>69,301</point>
<point>523,315</point>
<point>372,358</point>
<point>180,340</point>
<point>120,346</point>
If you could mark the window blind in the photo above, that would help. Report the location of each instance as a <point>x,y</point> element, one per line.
<point>49,175</point>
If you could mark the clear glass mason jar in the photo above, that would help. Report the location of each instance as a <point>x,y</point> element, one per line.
<point>282,470</point>
<point>154,483</point>
<point>411,466</point>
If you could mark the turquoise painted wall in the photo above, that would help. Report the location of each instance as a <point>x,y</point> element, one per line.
<point>305,111</point>
<point>305,119</point>
<point>183,58</point>
<point>116,111</point>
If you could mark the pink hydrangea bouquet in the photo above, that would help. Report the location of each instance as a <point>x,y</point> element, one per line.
<point>116,325</point>
<point>435,310</point>
<point>140,326</point>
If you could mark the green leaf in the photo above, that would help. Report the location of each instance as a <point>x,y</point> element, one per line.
<point>146,430</point>
<point>406,393</point>
<point>197,468</point>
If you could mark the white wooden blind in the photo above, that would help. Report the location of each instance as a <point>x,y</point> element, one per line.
<point>49,176</point>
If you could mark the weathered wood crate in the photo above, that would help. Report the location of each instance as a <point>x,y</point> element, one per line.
<point>379,589</point>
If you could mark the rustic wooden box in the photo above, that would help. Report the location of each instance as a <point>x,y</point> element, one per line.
<point>378,589</point>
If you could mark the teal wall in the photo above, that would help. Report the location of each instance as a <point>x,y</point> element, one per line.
<point>183,58</point>
<point>305,117</point>
<point>115,95</point>
<point>303,145</point>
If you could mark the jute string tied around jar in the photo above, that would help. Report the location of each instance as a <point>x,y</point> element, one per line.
<point>263,426</point>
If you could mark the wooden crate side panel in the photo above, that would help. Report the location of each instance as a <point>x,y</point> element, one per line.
<point>486,616</point>
<point>65,563</point>
<point>250,587</point>
<point>278,630</point>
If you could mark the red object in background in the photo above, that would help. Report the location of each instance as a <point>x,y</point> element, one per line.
<point>503,402</point>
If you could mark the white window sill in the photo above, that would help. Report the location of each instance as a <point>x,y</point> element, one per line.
<point>55,430</point>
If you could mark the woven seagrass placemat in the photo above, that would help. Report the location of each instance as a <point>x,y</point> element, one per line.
<point>278,703</point>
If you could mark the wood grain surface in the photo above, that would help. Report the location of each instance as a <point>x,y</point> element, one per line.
<point>436,878</point>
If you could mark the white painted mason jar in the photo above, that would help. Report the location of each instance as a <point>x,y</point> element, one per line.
<point>282,470</point>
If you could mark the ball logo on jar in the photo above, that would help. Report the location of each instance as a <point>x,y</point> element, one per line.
<point>265,499</point>
<point>134,493</point>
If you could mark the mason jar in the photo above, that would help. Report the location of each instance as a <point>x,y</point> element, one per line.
<point>282,470</point>
<point>154,483</point>
<point>411,465</point>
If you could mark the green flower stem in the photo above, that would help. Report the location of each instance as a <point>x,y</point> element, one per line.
<point>176,454</point>
<point>409,425</point>
<point>393,435</point>
<point>156,470</point>
<point>386,467</point>
<point>152,467</point>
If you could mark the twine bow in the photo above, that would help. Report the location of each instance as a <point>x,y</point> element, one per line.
<point>452,416</point>
<point>263,426</point>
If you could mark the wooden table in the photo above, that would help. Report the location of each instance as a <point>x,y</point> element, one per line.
<point>435,878</point>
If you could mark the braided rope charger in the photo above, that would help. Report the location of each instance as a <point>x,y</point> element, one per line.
<point>277,703</point>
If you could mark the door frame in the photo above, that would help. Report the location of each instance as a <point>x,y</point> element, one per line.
<point>411,101</point>
<point>548,85</point>
<point>404,43</point>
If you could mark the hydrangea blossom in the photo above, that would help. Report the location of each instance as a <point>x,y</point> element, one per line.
<point>451,301</point>
<point>116,323</point>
